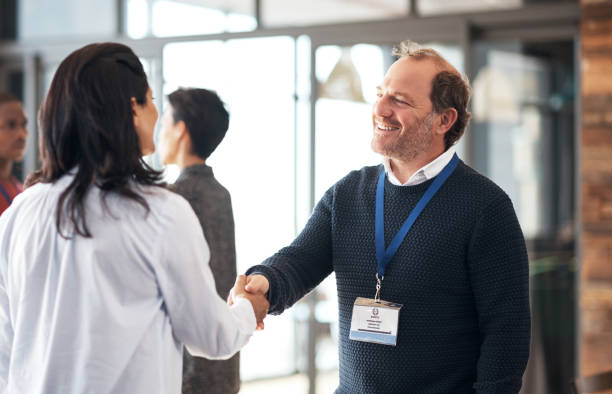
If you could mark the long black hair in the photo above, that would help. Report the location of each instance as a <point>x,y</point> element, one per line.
<point>86,124</point>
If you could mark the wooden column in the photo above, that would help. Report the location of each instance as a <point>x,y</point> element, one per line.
<point>596,186</point>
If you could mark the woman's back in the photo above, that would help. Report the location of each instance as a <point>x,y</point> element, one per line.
<point>94,314</point>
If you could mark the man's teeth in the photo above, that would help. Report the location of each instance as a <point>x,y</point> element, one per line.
<point>385,128</point>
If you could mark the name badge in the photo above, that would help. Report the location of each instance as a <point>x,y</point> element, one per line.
<point>375,321</point>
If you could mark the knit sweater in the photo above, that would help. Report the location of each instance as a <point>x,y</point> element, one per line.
<point>461,274</point>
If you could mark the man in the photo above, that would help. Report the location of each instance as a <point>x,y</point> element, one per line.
<point>429,258</point>
<point>193,125</point>
<point>13,135</point>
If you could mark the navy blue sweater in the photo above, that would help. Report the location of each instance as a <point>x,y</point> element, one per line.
<point>461,274</point>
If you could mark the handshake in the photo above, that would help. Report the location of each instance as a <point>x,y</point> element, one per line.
<point>253,288</point>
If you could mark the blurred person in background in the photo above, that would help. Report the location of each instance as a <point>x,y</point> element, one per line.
<point>104,273</point>
<point>193,125</point>
<point>13,135</point>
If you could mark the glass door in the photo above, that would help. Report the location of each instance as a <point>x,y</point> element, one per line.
<point>523,138</point>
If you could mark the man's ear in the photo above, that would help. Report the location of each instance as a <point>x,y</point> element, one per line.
<point>181,129</point>
<point>446,120</point>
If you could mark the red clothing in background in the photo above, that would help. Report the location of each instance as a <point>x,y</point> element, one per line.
<point>8,191</point>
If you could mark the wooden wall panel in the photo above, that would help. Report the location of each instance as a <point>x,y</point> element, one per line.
<point>596,187</point>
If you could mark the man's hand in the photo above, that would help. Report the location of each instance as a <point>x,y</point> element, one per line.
<point>257,298</point>
<point>257,284</point>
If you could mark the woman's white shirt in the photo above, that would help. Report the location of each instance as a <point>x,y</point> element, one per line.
<point>108,314</point>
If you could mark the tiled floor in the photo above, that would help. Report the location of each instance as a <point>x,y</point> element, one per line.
<point>294,384</point>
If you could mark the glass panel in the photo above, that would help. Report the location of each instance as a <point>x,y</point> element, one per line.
<point>314,12</point>
<point>255,161</point>
<point>343,111</point>
<point>65,19</point>
<point>431,7</point>
<point>523,125</point>
<point>436,7</point>
<point>166,18</point>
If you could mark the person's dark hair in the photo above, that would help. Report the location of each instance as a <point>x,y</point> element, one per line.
<point>204,115</point>
<point>449,89</point>
<point>86,125</point>
<point>6,97</point>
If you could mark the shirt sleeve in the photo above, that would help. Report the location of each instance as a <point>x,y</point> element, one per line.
<point>499,274</point>
<point>295,270</point>
<point>200,319</point>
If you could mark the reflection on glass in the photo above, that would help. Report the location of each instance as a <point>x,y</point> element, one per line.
<point>507,93</point>
<point>167,18</point>
<point>255,161</point>
<point>315,12</point>
<point>431,7</point>
<point>523,125</point>
<point>344,126</point>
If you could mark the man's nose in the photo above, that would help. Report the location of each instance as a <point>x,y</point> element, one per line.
<point>23,131</point>
<point>381,107</point>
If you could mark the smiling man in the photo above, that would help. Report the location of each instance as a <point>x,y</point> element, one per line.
<point>429,258</point>
<point>13,135</point>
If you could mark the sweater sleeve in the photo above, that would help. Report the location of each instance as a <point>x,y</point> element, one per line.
<point>296,269</point>
<point>499,274</point>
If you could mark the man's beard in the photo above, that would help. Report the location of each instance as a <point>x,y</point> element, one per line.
<point>411,145</point>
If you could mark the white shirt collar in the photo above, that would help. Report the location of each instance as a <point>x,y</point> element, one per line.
<point>425,173</point>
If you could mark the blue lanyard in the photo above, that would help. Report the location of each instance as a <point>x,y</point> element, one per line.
<point>384,256</point>
<point>5,194</point>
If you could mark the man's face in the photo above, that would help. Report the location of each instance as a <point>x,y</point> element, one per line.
<point>402,116</point>
<point>167,146</point>
<point>13,133</point>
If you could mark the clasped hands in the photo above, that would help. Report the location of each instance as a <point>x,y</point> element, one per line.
<point>253,288</point>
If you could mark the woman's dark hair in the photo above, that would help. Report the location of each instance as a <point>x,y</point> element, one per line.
<point>86,125</point>
<point>204,115</point>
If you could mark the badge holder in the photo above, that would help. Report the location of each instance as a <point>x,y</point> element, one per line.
<point>375,320</point>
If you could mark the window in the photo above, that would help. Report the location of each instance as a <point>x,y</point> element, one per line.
<point>166,18</point>
<point>315,12</point>
<point>255,161</point>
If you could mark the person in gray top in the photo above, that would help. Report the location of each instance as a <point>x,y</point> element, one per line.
<point>193,125</point>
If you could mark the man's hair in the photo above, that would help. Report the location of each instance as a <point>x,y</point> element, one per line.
<point>6,97</point>
<point>204,115</point>
<point>87,124</point>
<point>449,89</point>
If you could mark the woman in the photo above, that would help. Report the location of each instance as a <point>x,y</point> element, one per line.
<point>103,273</point>
<point>13,135</point>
